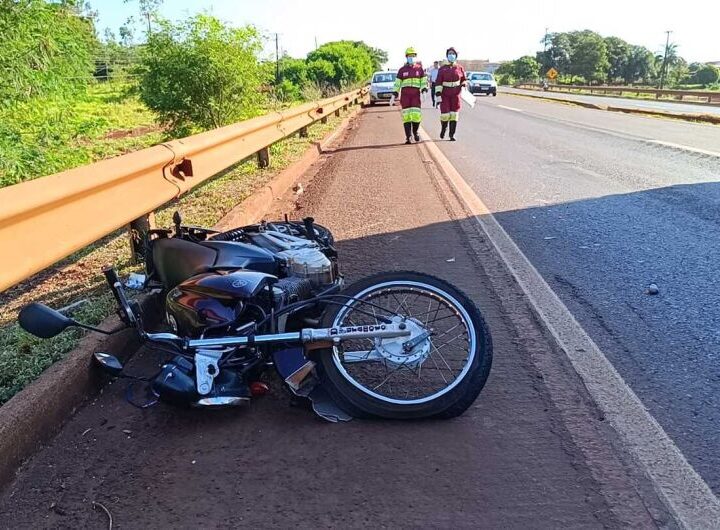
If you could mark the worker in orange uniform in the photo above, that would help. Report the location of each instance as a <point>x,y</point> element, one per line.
<point>450,80</point>
<point>410,82</point>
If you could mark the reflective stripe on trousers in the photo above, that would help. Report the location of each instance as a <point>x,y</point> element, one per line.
<point>449,116</point>
<point>412,114</point>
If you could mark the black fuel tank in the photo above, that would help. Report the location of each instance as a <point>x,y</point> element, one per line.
<point>212,299</point>
<point>235,255</point>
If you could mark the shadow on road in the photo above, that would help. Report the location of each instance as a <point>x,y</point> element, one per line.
<point>506,462</point>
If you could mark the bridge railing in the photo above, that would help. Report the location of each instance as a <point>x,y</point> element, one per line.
<point>703,96</point>
<point>44,220</point>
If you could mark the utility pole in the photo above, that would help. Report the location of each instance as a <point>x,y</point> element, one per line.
<point>316,46</point>
<point>665,60</point>
<point>545,40</point>
<point>277,60</point>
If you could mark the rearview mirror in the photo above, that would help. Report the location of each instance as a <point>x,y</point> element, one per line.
<point>109,363</point>
<point>42,321</point>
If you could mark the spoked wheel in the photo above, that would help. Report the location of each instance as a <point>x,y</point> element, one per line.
<point>437,370</point>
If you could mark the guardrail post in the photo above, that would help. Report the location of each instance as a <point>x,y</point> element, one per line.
<point>337,113</point>
<point>323,119</point>
<point>137,231</point>
<point>263,157</point>
<point>303,133</point>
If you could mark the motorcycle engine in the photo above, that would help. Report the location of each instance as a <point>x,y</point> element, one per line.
<point>303,258</point>
<point>309,263</point>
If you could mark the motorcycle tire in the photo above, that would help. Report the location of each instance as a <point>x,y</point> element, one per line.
<point>452,401</point>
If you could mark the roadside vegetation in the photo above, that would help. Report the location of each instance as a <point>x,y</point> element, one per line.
<point>586,57</point>
<point>79,98</point>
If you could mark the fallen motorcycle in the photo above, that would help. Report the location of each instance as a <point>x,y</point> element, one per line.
<point>393,345</point>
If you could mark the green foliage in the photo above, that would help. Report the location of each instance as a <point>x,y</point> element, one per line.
<point>45,49</point>
<point>341,64</point>
<point>706,75</point>
<point>321,71</point>
<point>51,134</point>
<point>589,55</point>
<point>618,53</point>
<point>379,57</point>
<point>293,76</point>
<point>523,69</point>
<point>640,65</point>
<point>558,53</point>
<point>332,67</point>
<point>203,74</point>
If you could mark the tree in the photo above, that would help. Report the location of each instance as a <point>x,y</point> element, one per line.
<point>293,76</point>
<point>127,35</point>
<point>588,55</point>
<point>706,74</point>
<point>640,65</point>
<point>558,53</point>
<point>44,48</point>
<point>321,71</point>
<point>148,10</point>
<point>525,68</point>
<point>618,56</point>
<point>202,73</point>
<point>667,60</point>
<point>340,63</point>
<point>678,72</point>
<point>379,57</point>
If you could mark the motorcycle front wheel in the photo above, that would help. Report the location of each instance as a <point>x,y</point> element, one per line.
<point>438,370</point>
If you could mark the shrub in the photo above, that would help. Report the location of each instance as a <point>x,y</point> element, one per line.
<point>202,73</point>
<point>45,49</point>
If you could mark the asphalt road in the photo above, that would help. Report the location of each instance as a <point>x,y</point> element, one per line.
<point>532,451</point>
<point>665,106</point>
<point>604,205</point>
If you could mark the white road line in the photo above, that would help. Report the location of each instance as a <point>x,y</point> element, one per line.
<point>688,498</point>
<point>685,148</point>
<point>510,108</point>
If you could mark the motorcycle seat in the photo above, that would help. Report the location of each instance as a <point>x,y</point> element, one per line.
<point>176,260</point>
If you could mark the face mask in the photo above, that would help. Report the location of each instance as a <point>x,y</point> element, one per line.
<point>410,60</point>
<point>451,57</point>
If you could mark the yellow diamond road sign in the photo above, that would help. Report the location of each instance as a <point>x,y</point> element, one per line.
<point>552,73</point>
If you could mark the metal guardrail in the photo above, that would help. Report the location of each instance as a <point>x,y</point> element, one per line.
<point>712,98</point>
<point>45,220</point>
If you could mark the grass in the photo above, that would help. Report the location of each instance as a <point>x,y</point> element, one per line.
<point>23,357</point>
<point>44,136</point>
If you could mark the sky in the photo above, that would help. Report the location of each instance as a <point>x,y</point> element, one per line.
<point>497,31</point>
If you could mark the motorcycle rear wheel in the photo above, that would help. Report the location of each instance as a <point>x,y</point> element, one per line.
<point>419,382</point>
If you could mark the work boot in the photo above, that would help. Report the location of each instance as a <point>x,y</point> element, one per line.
<point>443,128</point>
<point>453,127</point>
<point>415,127</point>
<point>407,126</point>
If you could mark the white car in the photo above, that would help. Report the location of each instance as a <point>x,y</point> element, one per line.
<point>382,87</point>
<point>482,83</point>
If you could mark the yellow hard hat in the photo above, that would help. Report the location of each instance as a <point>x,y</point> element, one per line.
<point>410,51</point>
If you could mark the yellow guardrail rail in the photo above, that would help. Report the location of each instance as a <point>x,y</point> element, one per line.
<point>49,218</point>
